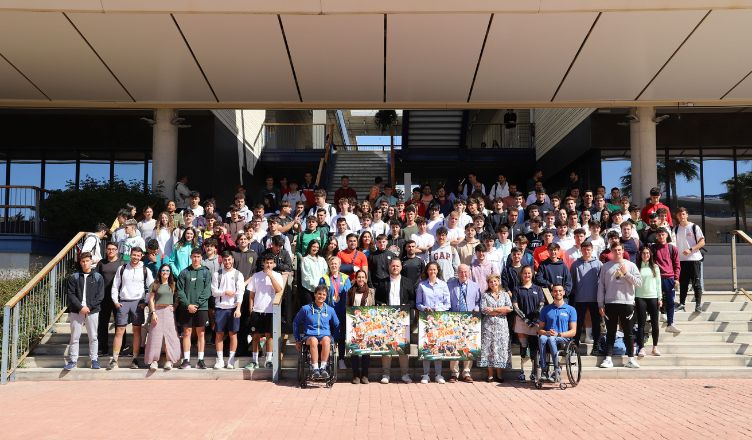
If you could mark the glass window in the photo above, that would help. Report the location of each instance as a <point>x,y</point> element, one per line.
<point>58,172</point>
<point>148,179</point>
<point>720,209</point>
<point>744,173</point>
<point>682,176</point>
<point>615,173</point>
<point>129,171</point>
<point>3,164</point>
<point>26,172</point>
<point>95,169</point>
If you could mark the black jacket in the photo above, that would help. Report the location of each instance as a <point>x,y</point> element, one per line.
<point>282,261</point>
<point>94,291</point>
<point>378,265</point>
<point>407,292</point>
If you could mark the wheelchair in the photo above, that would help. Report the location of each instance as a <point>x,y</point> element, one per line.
<point>305,374</point>
<point>569,361</point>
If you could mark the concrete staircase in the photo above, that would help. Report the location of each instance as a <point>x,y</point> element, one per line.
<point>362,167</point>
<point>434,128</point>
<point>714,343</point>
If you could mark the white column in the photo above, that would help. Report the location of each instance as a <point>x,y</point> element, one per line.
<point>165,151</point>
<point>643,152</point>
<point>319,131</point>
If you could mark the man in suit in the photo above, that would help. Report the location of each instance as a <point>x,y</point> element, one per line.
<point>464,296</point>
<point>397,290</point>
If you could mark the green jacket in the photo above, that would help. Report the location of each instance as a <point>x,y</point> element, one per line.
<point>306,237</point>
<point>194,287</point>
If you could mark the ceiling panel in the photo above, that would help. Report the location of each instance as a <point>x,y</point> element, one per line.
<point>14,86</point>
<point>147,54</point>
<point>639,54</point>
<point>337,57</point>
<point>714,58</point>
<point>57,60</point>
<point>526,55</point>
<point>243,56</point>
<point>442,47</point>
<point>208,6</point>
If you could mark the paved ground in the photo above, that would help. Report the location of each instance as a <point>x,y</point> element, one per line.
<point>601,409</point>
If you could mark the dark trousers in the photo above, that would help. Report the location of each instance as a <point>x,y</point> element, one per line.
<point>620,314</point>
<point>341,338</point>
<point>107,309</point>
<point>244,348</point>
<point>643,307</point>
<point>669,297</point>
<point>595,317</point>
<point>691,272</point>
<point>360,365</point>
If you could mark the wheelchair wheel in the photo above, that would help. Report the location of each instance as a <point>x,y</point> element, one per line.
<point>574,364</point>
<point>333,365</point>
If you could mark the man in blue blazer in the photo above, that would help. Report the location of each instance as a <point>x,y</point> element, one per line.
<point>464,296</point>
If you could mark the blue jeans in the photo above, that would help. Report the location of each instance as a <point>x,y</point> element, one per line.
<point>547,344</point>
<point>669,296</point>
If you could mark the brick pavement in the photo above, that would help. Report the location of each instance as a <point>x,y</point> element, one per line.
<point>602,409</point>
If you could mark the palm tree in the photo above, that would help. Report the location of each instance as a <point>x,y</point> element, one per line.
<point>687,168</point>
<point>739,195</point>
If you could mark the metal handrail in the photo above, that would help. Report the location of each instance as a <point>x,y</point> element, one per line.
<point>34,310</point>
<point>325,160</point>
<point>19,208</point>
<point>495,135</point>
<point>277,334</point>
<point>734,278</point>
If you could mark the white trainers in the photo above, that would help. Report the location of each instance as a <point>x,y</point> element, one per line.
<point>632,364</point>
<point>341,364</point>
<point>607,363</point>
<point>230,365</point>
<point>425,379</point>
<point>440,379</point>
<point>168,366</point>
<point>385,379</point>
<point>673,329</point>
<point>153,366</point>
<point>219,364</point>
<point>406,379</point>
<point>663,317</point>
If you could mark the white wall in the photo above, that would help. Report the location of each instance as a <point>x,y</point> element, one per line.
<point>247,126</point>
<point>552,124</point>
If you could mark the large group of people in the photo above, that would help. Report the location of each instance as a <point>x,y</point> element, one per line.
<point>538,268</point>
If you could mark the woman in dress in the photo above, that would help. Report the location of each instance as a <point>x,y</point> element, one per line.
<point>360,295</point>
<point>162,327</point>
<point>648,301</point>
<point>496,351</point>
<point>432,295</point>
<point>312,267</point>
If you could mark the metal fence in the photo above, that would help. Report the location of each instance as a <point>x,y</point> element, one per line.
<point>19,207</point>
<point>500,136</point>
<point>281,136</point>
<point>35,309</point>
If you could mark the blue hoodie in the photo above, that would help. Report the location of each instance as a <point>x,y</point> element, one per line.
<point>314,321</point>
<point>554,273</point>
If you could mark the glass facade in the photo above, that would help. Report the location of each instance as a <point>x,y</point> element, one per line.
<point>57,173</point>
<point>26,172</point>
<point>701,180</point>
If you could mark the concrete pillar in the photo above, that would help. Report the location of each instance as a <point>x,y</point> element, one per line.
<point>643,152</point>
<point>165,151</point>
<point>319,131</point>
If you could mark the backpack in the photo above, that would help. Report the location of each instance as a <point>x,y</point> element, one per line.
<point>703,250</point>
<point>80,246</point>
<point>219,276</point>
<point>122,269</point>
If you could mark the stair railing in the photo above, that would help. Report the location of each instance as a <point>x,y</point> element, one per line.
<point>734,277</point>
<point>33,311</point>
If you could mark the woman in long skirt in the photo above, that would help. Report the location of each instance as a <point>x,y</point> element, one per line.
<point>496,351</point>
<point>162,327</point>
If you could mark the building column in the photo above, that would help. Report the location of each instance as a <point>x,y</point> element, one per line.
<point>319,131</point>
<point>165,151</point>
<point>643,153</point>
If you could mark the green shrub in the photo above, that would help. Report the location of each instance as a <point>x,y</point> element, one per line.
<point>71,210</point>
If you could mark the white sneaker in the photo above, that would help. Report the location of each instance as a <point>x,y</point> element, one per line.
<point>632,364</point>
<point>168,366</point>
<point>607,363</point>
<point>153,366</point>
<point>230,365</point>
<point>385,379</point>
<point>440,379</point>
<point>341,364</point>
<point>219,364</point>
<point>589,340</point>
<point>663,317</point>
<point>406,379</point>
<point>425,379</point>
<point>673,329</point>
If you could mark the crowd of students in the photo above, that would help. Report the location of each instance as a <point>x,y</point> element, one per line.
<point>539,268</point>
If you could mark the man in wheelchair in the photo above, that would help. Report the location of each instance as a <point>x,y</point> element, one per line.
<point>558,325</point>
<point>314,325</point>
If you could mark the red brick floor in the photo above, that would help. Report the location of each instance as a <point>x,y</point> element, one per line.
<point>712,409</point>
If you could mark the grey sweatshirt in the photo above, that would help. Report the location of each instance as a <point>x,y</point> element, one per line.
<point>618,290</point>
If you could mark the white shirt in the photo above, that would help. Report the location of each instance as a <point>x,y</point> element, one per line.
<point>261,286</point>
<point>394,289</point>
<point>146,228</point>
<point>182,194</point>
<point>455,234</point>
<point>342,239</point>
<point>83,301</point>
<point>499,191</point>
<point>232,280</point>
<point>378,228</point>
<point>433,225</point>
<point>353,222</point>
<point>330,211</point>
<point>198,211</point>
<point>424,241</point>
<point>599,245</point>
<point>565,243</point>
<point>294,197</point>
<point>132,283</point>
<point>685,239</point>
